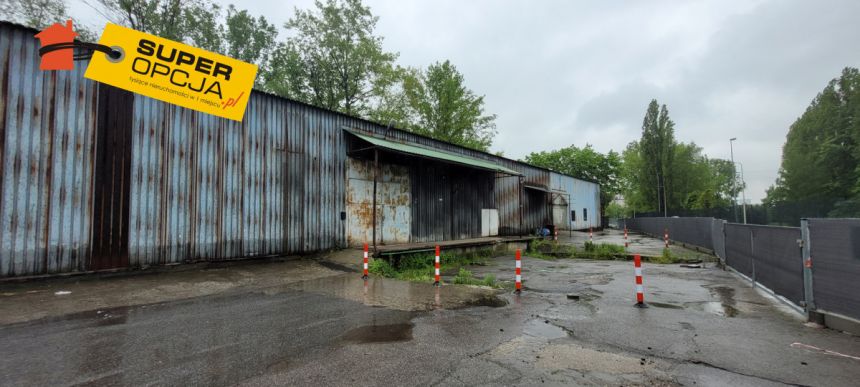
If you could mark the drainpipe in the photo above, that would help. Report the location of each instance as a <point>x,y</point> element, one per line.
<point>375,178</point>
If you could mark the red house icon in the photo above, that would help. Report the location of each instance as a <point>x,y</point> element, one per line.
<point>60,59</point>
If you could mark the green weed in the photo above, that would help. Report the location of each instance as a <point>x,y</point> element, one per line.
<point>419,267</point>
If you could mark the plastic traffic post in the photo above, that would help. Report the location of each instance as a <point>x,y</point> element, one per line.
<point>519,274</point>
<point>437,267</point>
<point>640,290</point>
<point>666,237</point>
<point>626,245</point>
<point>364,275</point>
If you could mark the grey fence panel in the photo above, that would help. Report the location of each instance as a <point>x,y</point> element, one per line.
<point>693,231</point>
<point>739,248</point>
<point>778,260</point>
<point>835,251</point>
<point>768,254</point>
<point>718,238</point>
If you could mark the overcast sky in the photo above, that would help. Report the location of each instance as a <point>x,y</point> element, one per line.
<point>582,72</point>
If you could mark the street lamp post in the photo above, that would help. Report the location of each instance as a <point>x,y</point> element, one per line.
<point>743,193</point>
<point>734,179</point>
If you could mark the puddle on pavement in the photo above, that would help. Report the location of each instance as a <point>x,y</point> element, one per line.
<point>725,294</point>
<point>712,307</point>
<point>717,308</point>
<point>541,328</point>
<point>379,333</point>
<point>664,305</point>
<point>401,295</point>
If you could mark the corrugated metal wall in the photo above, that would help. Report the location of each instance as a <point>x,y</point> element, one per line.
<point>206,188</point>
<point>447,201</point>
<point>47,136</point>
<point>187,186</point>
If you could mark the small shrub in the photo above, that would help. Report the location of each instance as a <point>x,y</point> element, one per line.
<point>489,280</point>
<point>381,267</point>
<point>589,246</point>
<point>464,277</point>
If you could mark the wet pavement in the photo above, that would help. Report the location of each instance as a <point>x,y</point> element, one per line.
<point>304,323</point>
<point>638,243</point>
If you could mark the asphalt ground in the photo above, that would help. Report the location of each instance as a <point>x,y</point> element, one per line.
<point>302,323</point>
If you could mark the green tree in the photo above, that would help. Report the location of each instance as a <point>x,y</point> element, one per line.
<point>392,106</point>
<point>820,156</point>
<point>34,13</point>
<point>660,174</point>
<point>584,163</point>
<point>40,14</point>
<point>248,38</point>
<point>190,21</point>
<point>657,147</point>
<point>333,59</point>
<point>446,109</point>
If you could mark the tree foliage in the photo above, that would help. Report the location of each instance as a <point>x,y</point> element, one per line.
<point>180,20</point>
<point>820,156</point>
<point>446,109</point>
<point>333,59</point>
<point>40,14</point>
<point>584,163</point>
<point>658,144</point>
<point>658,172</point>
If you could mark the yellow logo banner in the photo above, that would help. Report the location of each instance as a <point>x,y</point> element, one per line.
<point>174,72</point>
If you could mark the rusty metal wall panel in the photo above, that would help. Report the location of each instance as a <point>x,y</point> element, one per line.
<point>206,188</point>
<point>393,199</point>
<point>47,127</point>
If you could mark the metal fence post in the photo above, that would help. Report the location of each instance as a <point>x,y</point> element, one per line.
<point>808,294</point>
<point>752,255</point>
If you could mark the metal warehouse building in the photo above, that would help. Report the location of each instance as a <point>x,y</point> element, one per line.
<point>96,178</point>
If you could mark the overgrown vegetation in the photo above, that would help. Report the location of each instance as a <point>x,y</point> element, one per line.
<point>548,249</point>
<point>419,267</point>
<point>464,277</point>
<point>665,258</point>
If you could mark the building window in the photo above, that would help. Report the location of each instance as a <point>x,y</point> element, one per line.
<point>585,214</point>
<point>573,215</point>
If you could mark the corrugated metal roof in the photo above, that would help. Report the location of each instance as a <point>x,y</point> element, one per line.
<point>434,154</point>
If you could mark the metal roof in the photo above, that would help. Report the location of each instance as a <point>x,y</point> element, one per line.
<point>434,154</point>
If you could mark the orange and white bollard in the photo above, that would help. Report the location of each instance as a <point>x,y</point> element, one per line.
<point>626,245</point>
<point>640,290</point>
<point>555,235</point>
<point>519,277</point>
<point>666,237</point>
<point>365,262</point>
<point>437,267</point>
<point>590,235</point>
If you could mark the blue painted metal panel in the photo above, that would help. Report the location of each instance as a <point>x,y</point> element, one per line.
<point>584,196</point>
<point>47,131</point>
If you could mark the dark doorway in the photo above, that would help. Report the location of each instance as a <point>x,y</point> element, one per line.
<point>112,171</point>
